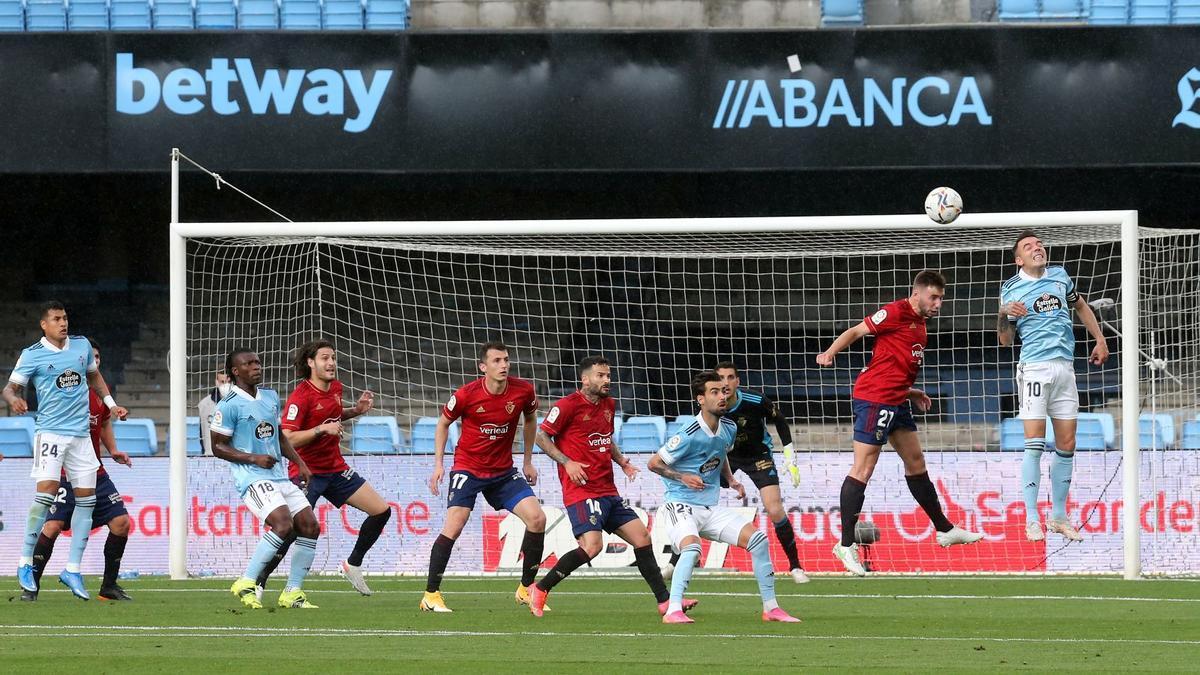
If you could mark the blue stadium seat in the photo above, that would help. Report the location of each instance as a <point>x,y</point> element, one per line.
<point>1156,432</point>
<point>1107,424</point>
<point>387,14</point>
<point>45,15</point>
<point>1186,11</point>
<point>422,436</point>
<point>136,436</point>
<point>12,16</point>
<point>300,14</point>
<point>216,15</point>
<point>376,435</point>
<point>88,15</point>
<point>131,15</point>
<point>1089,435</point>
<point>1191,435</point>
<point>643,434</point>
<point>842,12</point>
<point>1109,12</point>
<point>676,425</point>
<point>1012,435</point>
<point>1018,10</point>
<point>1150,12</point>
<point>342,15</point>
<point>174,15</point>
<point>1062,10</point>
<point>192,431</point>
<point>16,436</point>
<point>258,15</point>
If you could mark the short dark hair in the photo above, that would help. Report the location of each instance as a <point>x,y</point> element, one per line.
<point>587,363</point>
<point>307,351</point>
<point>237,351</point>
<point>49,306</point>
<point>1023,234</point>
<point>95,345</point>
<point>726,365</point>
<point>927,278</point>
<point>488,346</point>
<point>700,381</point>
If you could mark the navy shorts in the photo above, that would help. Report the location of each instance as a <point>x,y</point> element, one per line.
<point>874,422</point>
<point>336,488</point>
<point>502,492</point>
<point>599,513</point>
<point>760,470</point>
<point>109,504</point>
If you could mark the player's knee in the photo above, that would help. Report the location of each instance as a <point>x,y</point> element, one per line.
<point>308,528</point>
<point>776,512</point>
<point>51,528</point>
<point>536,522</point>
<point>282,529</point>
<point>119,526</point>
<point>1065,447</point>
<point>591,548</point>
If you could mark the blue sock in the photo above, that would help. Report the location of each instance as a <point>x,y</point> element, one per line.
<point>682,575</point>
<point>81,527</point>
<point>764,571</point>
<point>1061,467</point>
<point>267,546</point>
<point>1031,477</point>
<point>302,559</point>
<point>33,525</point>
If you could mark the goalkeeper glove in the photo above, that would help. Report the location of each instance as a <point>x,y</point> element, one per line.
<point>789,460</point>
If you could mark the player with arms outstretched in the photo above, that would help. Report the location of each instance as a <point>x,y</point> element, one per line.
<point>692,464</point>
<point>62,369</point>
<point>1035,304</point>
<point>245,433</point>
<point>312,423</point>
<point>578,434</point>
<point>489,408</point>
<point>883,394</point>
<point>109,511</point>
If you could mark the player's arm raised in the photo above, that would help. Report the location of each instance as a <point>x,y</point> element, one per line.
<point>529,434</point>
<point>286,449</point>
<point>363,406</point>
<point>97,384</point>
<point>1088,317</point>
<point>441,434</point>
<point>1006,328</point>
<point>852,335</point>
<point>575,470</point>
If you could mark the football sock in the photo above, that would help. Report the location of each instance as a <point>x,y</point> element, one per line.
<point>1061,466</point>
<point>787,539</point>
<point>683,574</point>
<point>276,558</point>
<point>81,527</point>
<point>1031,477</point>
<point>368,532</point>
<point>926,495</point>
<point>531,553</point>
<point>563,568</point>
<point>33,525</point>
<point>764,571</point>
<point>302,559</point>
<point>854,492</point>
<point>267,546</point>
<point>648,566</point>
<point>41,556</point>
<point>114,549</point>
<point>439,557</point>
<point>674,559</point>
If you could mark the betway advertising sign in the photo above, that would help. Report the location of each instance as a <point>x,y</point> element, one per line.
<point>980,491</point>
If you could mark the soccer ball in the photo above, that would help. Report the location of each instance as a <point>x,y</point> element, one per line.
<point>866,532</point>
<point>943,205</point>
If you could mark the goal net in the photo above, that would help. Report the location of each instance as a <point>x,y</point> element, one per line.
<point>408,304</point>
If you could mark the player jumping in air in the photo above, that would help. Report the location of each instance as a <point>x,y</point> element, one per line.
<point>883,394</point>
<point>692,464</point>
<point>489,408</point>
<point>62,369</point>
<point>1035,305</point>
<point>245,433</point>
<point>312,423</point>
<point>578,434</point>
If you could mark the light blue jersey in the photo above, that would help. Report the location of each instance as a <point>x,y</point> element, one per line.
<point>253,424</point>
<point>1047,331</point>
<point>60,378</point>
<point>698,450</point>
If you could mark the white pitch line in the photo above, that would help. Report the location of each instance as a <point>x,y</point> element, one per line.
<point>236,631</point>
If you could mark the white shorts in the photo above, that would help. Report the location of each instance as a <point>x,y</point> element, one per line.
<point>55,453</point>
<point>1047,389</point>
<point>264,496</point>
<point>714,523</point>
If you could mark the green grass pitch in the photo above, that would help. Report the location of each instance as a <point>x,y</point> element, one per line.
<point>608,624</point>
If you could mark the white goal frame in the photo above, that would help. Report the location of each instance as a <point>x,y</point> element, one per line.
<point>180,232</point>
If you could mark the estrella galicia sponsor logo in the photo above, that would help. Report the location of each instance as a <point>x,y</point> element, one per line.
<point>68,379</point>
<point>799,103</point>
<point>1189,94</point>
<point>264,430</point>
<point>710,465</point>
<point>1047,303</point>
<point>232,90</point>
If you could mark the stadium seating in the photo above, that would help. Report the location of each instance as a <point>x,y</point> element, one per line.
<point>1109,12</point>
<point>643,434</point>
<point>216,15</point>
<point>174,15</point>
<point>258,15</point>
<point>136,436</point>
<point>1062,10</point>
<point>842,12</point>
<point>1186,11</point>
<point>1089,435</point>
<point>422,436</point>
<point>1012,435</point>
<point>1156,432</point>
<point>1017,10</point>
<point>342,15</point>
<point>131,15</point>
<point>12,16</point>
<point>1143,12</point>
<point>1094,431</point>
<point>16,436</point>
<point>194,446</point>
<point>300,14</point>
<point>376,435</point>
<point>676,425</point>
<point>1107,425</point>
<point>45,15</point>
<point>1191,435</point>
<point>88,15</point>
<point>387,14</point>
